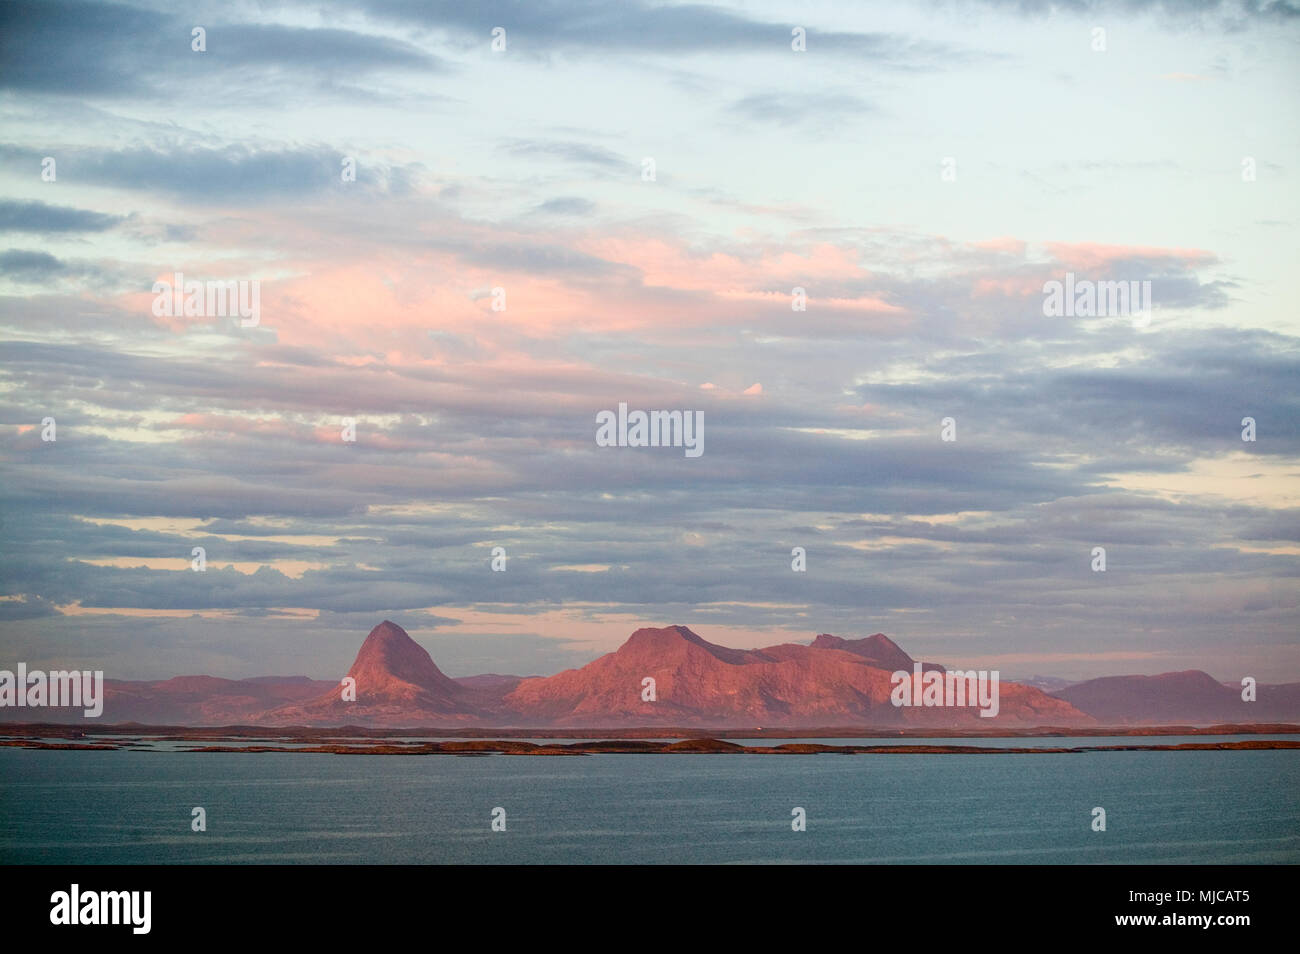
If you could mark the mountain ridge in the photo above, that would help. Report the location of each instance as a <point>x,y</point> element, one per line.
<point>695,683</point>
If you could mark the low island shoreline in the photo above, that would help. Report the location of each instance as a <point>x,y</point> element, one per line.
<point>354,740</point>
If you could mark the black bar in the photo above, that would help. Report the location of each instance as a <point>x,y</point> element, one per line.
<point>363,904</point>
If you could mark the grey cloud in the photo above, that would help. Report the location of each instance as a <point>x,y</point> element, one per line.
<point>24,265</point>
<point>107,49</point>
<point>586,27</point>
<point>29,267</point>
<point>41,217</point>
<point>1225,13</point>
<point>828,111</point>
<point>199,172</point>
<point>31,608</point>
<point>575,152</point>
<point>203,173</point>
<point>539,258</point>
<point>1185,393</point>
<point>567,205</point>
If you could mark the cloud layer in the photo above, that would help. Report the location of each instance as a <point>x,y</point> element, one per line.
<point>668,207</point>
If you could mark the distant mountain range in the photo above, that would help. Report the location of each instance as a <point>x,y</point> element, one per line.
<point>1177,697</point>
<point>832,682</point>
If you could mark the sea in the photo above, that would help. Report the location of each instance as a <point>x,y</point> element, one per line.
<point>137,805</point>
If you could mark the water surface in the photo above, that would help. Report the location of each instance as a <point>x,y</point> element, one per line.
<point>82,807</point>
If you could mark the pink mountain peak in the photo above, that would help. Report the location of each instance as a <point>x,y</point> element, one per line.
<point>673,640</point>
<point>389,656</point>
<point>878,649</point>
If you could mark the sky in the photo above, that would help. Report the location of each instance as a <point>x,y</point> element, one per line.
<point>615,203</point>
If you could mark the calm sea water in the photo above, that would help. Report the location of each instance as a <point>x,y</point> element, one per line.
<point>71,807</point>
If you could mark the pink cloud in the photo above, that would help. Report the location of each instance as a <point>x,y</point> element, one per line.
<point>1093,255</point>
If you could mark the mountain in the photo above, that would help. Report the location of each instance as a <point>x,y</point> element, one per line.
<point>879,651</point>
<point>184,700</point>
<point>1046,683</point>
<point>396,681</point>
<point>698,683</point>
<point>1192,697</point>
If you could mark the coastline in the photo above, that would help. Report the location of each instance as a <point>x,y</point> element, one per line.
<point>352,740</point>
<point>70,730</point>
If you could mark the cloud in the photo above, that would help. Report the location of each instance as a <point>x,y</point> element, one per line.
<point>1167,12</point>
<point>1175,398</point>
<point>826,110</point>
<point>40,217</point>
<point>575,152</point>
<point>23,265</point>
<point>567,205</point>
<point>211,174</point>
<point>584,27</point>
<point>67,47</point>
